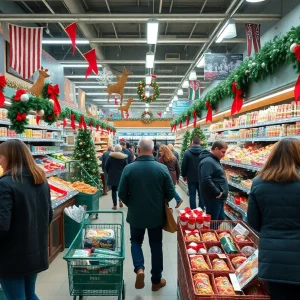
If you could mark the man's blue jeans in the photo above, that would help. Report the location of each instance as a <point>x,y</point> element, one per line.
<point>177,197</point>
<point>193,187</point>
<point>155,241</point>
<point>22,288</point>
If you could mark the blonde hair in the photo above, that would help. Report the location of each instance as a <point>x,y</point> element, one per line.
<point>18,157</point>
<point>171,147</point>
<point>167,153</point>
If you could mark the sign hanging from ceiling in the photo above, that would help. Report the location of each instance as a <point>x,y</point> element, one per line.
<point>179,106</point>
<point>219,66</point>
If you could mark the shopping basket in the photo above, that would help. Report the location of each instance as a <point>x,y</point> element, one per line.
<point>101,276</point>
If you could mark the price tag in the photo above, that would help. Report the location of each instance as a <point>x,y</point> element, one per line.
<point>221,255</point>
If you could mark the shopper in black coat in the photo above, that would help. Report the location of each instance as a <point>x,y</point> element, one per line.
<point>104,158</point>
<point>114,168</point>
<point>274,212</point>
<point>189,171</point>
<point>126,152</point>
<point>25,215</point>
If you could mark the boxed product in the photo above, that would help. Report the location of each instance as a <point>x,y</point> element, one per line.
<point>99,238</point>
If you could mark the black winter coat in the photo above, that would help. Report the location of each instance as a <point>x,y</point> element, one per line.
<point>129,154</point>
<point>190,163</point>
<point>114,167</point>
<point>274,212</point>
<point>104,159</point>
<point>25,215</point>
<point>212,178</point>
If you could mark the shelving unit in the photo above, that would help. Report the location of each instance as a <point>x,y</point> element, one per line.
<point>45,152</point>
<point>238,209</point>
<point>242,166</point>
<point>239,187</point>
<point>260,139</point>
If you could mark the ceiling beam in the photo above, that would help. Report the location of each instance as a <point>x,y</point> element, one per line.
<point>134,18</point>
<point>129,62</point>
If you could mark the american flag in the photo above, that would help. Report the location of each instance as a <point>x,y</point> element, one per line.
<point>25,49</point>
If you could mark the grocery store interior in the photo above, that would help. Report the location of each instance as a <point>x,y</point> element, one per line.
<point>78,77</point>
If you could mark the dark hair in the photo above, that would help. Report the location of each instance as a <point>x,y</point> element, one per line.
<point>283,162</point>
<point>219,144</point>
<point>128,145</point>
<point>196,140</point>
<point>19,157</point>
<point>123,144</point>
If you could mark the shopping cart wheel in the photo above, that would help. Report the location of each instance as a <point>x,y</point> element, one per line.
<point>123,291</point>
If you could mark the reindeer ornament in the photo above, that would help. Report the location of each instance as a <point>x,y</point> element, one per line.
<point>125,107</point>
<point>37,88</point>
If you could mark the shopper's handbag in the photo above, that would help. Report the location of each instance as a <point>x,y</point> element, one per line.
<point>170,223</point>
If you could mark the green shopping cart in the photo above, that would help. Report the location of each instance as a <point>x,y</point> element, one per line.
<point>101,275</point>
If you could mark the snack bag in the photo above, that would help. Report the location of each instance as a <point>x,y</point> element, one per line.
<point>238,261</point>
<point>241,238</point>
<point>222,234</point>
<point>192,236</point>
<point>224,286</point>
<point>209,237</point>
<point>219,265</point>
<point>198,263</point>
<point>99,238</point>
<point>202,284</point>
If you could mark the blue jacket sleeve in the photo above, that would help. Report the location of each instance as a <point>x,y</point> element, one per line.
<point>123,189</point>
<point>205,171</point>
<point>6,206</point>
<point>254,216</point>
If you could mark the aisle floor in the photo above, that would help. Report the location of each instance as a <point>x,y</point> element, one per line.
<point>53,284</point>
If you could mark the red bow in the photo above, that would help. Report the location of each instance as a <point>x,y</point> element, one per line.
<point>237,103</point>
<point>65,122</point>
<point>180,125</point>
<point>73,125</point>
<point>91,125</point>
<point>187,120</point>
<point>2,85</point>
<point>82,122</point>
<point>53,92</point>
<point>38,119</point>
<point>209,112</point>
<point>21,117</point>
<point>97,127</point>
<point>297,86</point>
<point>195,118</point>
<point>18,95</point>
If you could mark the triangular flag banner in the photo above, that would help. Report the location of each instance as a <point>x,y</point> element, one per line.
<point>65,122</point>
<point>194,89</point>
<point>71,31</point>
<point>209,112</point>
<point>38,119</point>
<point>92,60</point>
<point>91,125</point>
<point>180,124</point>
<point>82,122</point>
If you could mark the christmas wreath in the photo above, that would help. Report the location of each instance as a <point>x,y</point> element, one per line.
<point>142,93</point>
<point>147,117</point>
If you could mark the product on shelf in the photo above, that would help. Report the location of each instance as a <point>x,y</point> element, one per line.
<point>61,157</point>
<point>198,263</point>
<point>228,245</point>
<point>241,238</point>
<point>248,250</point>
<point>209,237</point>
<point>215,250</point>
<point>192,236</point>
<point>219,264</point>
<point>238,261</point>
<point>202,284</point>
<point>196,248</point>
<point>48,165</point>
<point>222,234</point>
<point>224,286</point>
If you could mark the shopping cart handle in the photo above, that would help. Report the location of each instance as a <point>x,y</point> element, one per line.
<point>91,212</point>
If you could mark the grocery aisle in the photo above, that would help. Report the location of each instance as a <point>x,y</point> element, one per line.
<point>53,284</point>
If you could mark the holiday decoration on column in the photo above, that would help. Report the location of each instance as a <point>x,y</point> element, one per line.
<point>53,94</point>
<point>159,114</point>
<point>118,88</point>
<point>209,112</point>
<point>142,93</point>
<point>25,49</point>
<point>147,117</point>
<point>38,86</point>
<point>237,103</point>
<point>185,145</point>
<point>71,31</point>
<point>199,133</point>
<point>2,86</point>
<point>125,108</point>
<point>91,58</point>
<point>85,153</point>
<point>253,37</point>
<point>194,89</point>
<point>296,50</point>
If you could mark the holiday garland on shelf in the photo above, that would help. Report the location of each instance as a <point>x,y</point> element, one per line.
<point>265,62</point>
<point>185,144</point>
<point>145,119</point>
<point>137,119</point>
<point>198,132</point>
<point>142,93</point>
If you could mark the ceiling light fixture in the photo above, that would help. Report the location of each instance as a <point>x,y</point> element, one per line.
<point>180,92</point>
<point>152,31</point>
<point>201,62</point>
<point>167,109</point>
<point>175,98</point>
<point>165,113</point>
<point>149,60</point>
<point>193,75</point>
<point>170,105</point>
<point>255,1</point>
<point>185,84</point>
<point>228,31</point>
<point>148,79</point>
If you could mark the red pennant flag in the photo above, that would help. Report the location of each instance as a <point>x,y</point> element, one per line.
<point>71,31</point>
<point>127,114</point>
<point>159,114</point>
<point>91,125</point>
<point>195,118</point>
<point>38,119</point>
<point>237,103</point>
<point>153,76</point>
<point>65,122</point>
<point>110,115</point>
<point>82,122</point>
<point>209,112</point>
<point>187,120</point>
<point>53,92</point>
<point>180,125</point>
<point>2,85</point>
<point>92,60</point>
<point>296,50</point>
<point>116,101</point>
<point>73,125</point>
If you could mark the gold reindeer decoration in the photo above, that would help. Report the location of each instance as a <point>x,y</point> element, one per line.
<point>118,88</point>
<point>37,88</point>
<point>125,108</point>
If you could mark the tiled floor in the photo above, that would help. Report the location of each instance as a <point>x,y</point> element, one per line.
<point>53,284</point>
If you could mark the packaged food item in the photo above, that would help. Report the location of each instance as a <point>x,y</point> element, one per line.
<point>194,248</point>
<point>248,250</point>
<point>199,222</point>
<point>219,264</point>
<point>191,223</point>
<point>238,261</point>
<point>241,238</point>
<point>99,238</point>
<point>192,236</point>
<point>82,253</point>
<point>206,224</point>
<point>183,219</point>
<point>228,245</point>
<point>198,263</point>
<point>222,234</point>
<point>215,249</point>
<point>209,237</point>
<point>224,286</point>
<point>202,284</point>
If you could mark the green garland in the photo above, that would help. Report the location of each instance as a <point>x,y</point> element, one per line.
<point>141,91</point>
<point>147,120</point>
<point>272,55</point>
<point>136,119</point>
<point>199,133</point>
<point>185,144</point>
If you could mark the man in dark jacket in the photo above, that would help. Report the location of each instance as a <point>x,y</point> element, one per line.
<point>127,152</point>
<point>104,158</point>
<point>213,182</point>
<point>189,171</point>
<point>144,187</point>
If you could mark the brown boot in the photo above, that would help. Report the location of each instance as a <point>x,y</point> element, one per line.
<point>179,203</point>
<point>157,287</point>
<point>140,279</point>
<point>121,204</point>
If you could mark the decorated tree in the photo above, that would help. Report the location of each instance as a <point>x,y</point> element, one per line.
<point>199,132</point>
<point>185,145</point>
<point>85,153</point>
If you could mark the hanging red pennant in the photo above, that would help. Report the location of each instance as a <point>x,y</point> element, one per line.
<point>71,31</point>
<point>65,122</point>
<point>127,114</point>
<point>296,49</point>
<point>195,118</point>
<point>159,114</point>
<point>82,122</point>
<point>73,125</point>
<point>237,103</point>
<point>187,120</point>
<point>209,112</point>
<point>110,115</point>
<point>53,92</point>
<point>91,125</point>
<point>38,119</point>
<point>2,86</point>
<point>116,100</point>
<point>92,60</point>
<point>180,125</point>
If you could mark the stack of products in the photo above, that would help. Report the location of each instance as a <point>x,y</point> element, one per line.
<point>38,149</point>
<point>238,199</point>
<point>238,177</point>
<point>48,165</point>
<point>60,157</point>
<point>3,114</point>
<point>30,133</point>
<point>32,122</point>
<point>232,213</point>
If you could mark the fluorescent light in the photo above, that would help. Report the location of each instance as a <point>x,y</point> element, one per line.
<point>254,1</point>
<point>193,75</point>
<point>152,31</point>
<point>165,113</point>
<point>170,105</point>
<point>146,109</point>
<point>180,92</point>
<point>147,105</point>
<point>175,98</point>
<point>167,109</point>
<point>185,84</point>
<point>64,42</point>
<point>148,79</point>
<point>201,62</point>
<point>149,60</point>
<point>77,66</point>
<point>228,31</point>
<point>100,100</point>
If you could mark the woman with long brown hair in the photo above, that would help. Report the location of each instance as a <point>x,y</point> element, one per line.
<point>274,212</point>
<point>168,158</point>
<point>25,215</point>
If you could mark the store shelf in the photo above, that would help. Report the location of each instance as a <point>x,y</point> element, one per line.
<point>260,139</point>
<point>100,143</point>
<point>238,186</point>
<point>3,122</point>
<point>275,122</point>
<point>238,209</point>
<point>242,166</point>
<point>5,138</point>
<point>61,201</point>
<point>56,172</point>
<point>46,152</point>
<point>68,152</point>
<point>230,216</point>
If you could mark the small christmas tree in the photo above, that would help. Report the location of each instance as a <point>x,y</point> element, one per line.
<point>85,152</point>
<point>199,132</point>
<point>185,145</point>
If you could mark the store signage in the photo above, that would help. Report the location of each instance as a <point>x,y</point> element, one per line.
<point>124,134</point>
<point>179,106</point>
<point>219,66</point>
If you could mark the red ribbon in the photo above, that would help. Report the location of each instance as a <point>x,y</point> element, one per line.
<point>65,122</point>
<point>195,118</point>
<point>180,124</point>
<point>237,103</point>
<point>2,85</point>
<point>73,125</point>
<point>18,95</point>
<point>21,117</point>
<point>187,120</point>
<point>209,112</point>
<point>97,127</point>
<point>38,119</point>
<point>297,86</point>
<point>53,92</point>
<point>82,122</point>
<point>91,125</point>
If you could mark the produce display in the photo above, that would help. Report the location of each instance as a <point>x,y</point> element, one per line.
<point>60,157</point>
<point>48,165</point>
